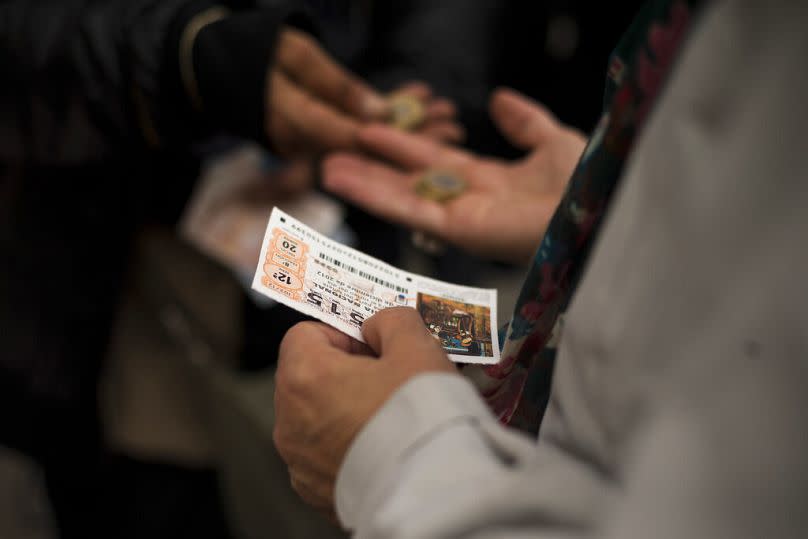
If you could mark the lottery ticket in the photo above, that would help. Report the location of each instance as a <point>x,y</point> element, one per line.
<point>343,287</point>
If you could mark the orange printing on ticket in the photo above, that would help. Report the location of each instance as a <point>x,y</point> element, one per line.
<point>285,263</point>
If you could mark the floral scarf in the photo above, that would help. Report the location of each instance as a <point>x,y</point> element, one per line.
<point>517,389</point>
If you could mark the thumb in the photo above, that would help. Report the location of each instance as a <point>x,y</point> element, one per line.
<point>395,330</point>
<point>522,121</point>
<point>306,63</point>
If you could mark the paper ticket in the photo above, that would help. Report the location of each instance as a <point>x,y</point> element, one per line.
<point>344,287</point>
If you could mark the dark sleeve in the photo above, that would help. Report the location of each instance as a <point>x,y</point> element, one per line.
<point>87,80</point>
<point>230,58</point>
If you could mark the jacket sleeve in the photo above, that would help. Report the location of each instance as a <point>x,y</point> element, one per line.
<point>88,79</point>
<point>435,463</point>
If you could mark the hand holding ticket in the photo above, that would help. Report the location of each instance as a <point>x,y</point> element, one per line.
<point>343,287</point>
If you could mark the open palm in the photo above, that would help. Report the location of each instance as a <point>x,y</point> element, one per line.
<point>505,209</point>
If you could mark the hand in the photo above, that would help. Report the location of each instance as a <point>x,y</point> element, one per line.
<point>506,208</point>
<point>329,385</point>
<point>315,105</point>
<point>439,123</point>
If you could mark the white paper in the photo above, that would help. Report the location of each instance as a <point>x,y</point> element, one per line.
<point>343,287</point>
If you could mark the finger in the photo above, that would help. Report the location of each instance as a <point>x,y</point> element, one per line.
<point>417,89</point>
<point>304,341</point>
<point>524,122</point>
<point>395,330</point>
<point>440,109</point>
<point>382,191</point>
<point>310,119</point>
<point>444,132</point>
<point>307,337</point>
<point>406,149</point>
<point>306,63</point>
<point>309,352</point>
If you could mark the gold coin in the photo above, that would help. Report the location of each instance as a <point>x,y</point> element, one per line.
<point>440,186</point>
<point>406,112</point>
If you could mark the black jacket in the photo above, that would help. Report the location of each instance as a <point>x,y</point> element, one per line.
<point>94,134</point>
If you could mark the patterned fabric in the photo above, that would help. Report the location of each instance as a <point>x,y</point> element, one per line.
<point>517,389</point>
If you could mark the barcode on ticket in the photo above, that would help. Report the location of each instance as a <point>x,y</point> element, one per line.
<point>362,274</point>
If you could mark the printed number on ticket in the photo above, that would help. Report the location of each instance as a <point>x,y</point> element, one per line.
<point>343,287</point>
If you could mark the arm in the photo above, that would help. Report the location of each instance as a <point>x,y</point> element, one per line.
<point>432,461</point>
<point>91,79</point>
<point>408,449</point>
<point>435,463</point>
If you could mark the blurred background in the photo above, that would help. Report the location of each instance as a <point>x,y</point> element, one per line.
<point>136,374</point>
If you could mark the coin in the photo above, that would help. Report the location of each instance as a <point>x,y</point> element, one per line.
<point>406,112</point>
<point>440,186</point>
